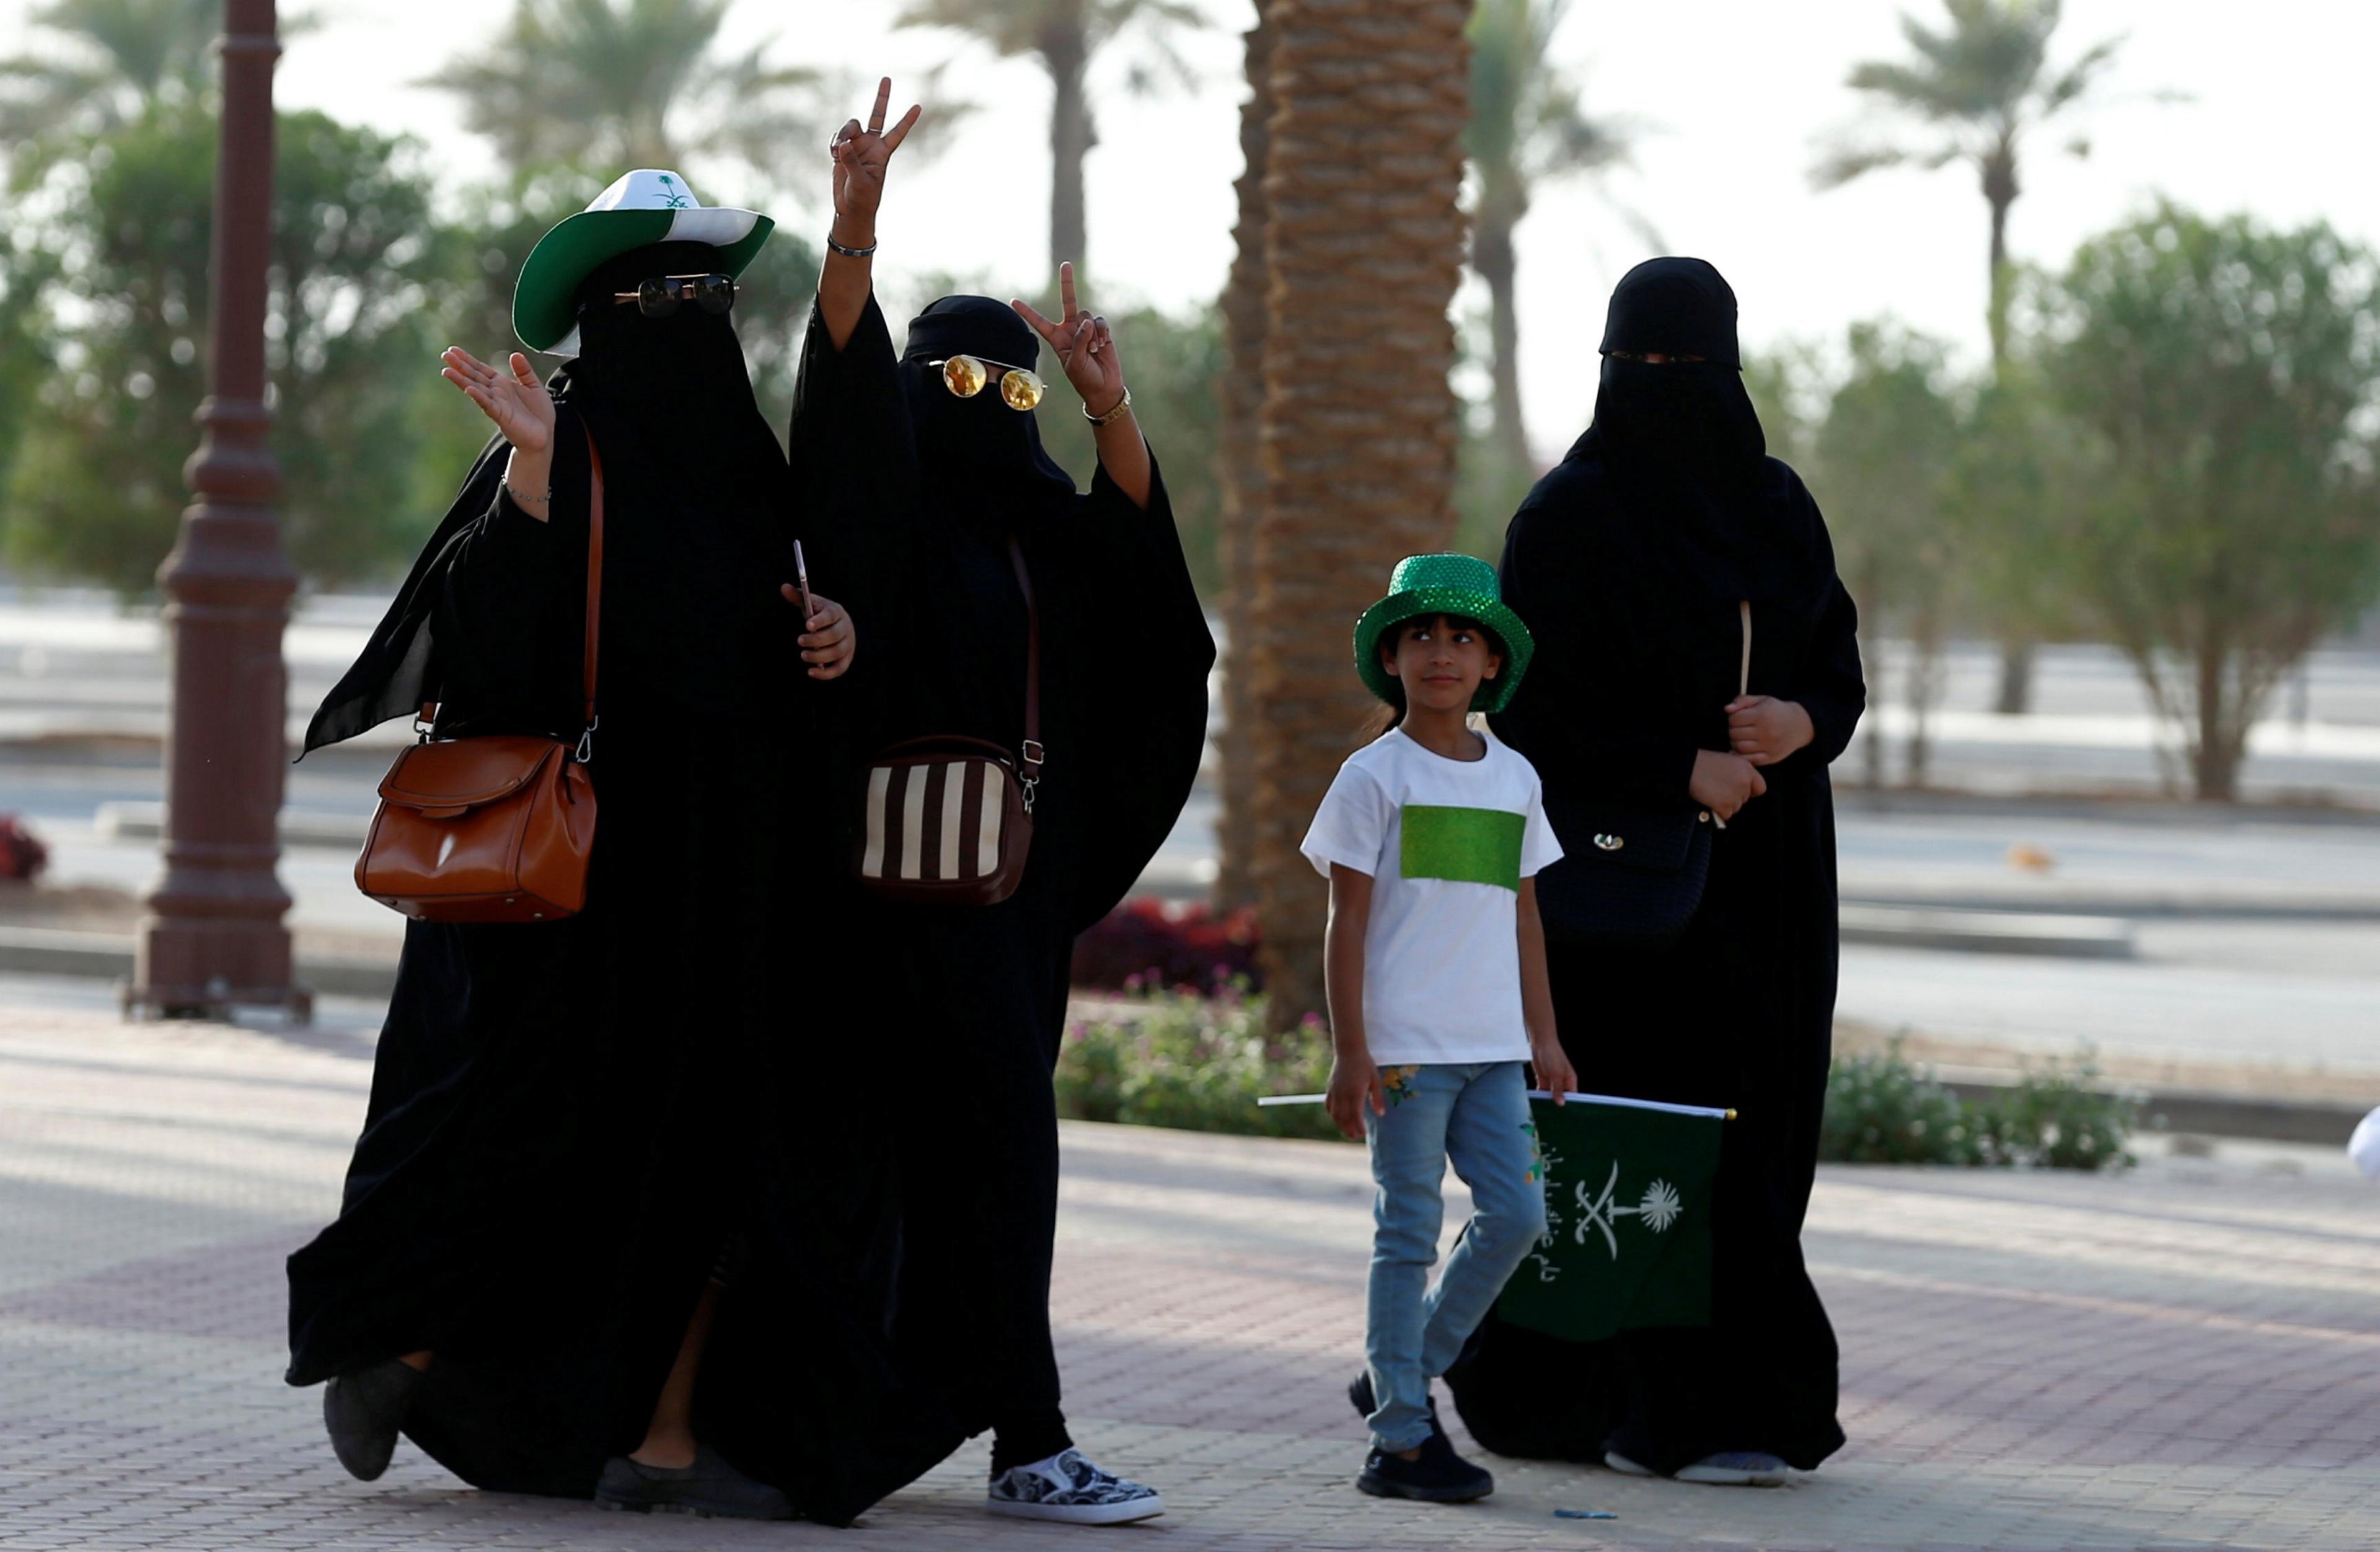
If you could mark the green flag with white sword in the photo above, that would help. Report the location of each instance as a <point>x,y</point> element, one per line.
<point>1628,1221</point>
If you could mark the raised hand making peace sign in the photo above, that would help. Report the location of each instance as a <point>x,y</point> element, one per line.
<point>862,157</point>
<point>1086,348</point>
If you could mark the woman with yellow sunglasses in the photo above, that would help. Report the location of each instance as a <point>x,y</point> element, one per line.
<point>947,494</point>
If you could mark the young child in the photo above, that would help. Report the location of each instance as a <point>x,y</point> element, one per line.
<point>1435,966</point>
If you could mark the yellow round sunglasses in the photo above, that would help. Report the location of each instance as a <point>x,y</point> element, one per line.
<point>966,376</point>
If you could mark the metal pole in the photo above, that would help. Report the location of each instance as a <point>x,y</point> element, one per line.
<point>214,938</point>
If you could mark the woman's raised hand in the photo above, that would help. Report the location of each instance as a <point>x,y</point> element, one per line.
<point>862,157</point>
<point>1085,348</point>
<point>513,399</point>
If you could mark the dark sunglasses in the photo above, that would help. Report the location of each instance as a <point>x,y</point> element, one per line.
<point>660,296</point>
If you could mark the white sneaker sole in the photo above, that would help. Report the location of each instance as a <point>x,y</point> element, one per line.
<point>1623,1465</point>
<point>1719,1476</point>
<point>1122,1513</point>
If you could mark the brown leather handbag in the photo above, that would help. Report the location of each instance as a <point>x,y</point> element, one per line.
<point>495,828</point>
<point>948,820</point>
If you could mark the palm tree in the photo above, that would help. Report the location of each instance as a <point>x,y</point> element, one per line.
<point>1976,91</point>
<point>633,83</point>
<point>1240,471</point>
<point>1526,129</point>
<point>118,56</point>
<point>1063,36</point>
<point>1364,246</point>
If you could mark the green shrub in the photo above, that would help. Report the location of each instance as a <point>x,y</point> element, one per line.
<point>2058,1117</point>
<point>1884,1109</point>
<point>1197,1063</point>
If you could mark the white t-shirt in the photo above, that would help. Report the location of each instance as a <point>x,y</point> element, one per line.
<point>1447,844</point>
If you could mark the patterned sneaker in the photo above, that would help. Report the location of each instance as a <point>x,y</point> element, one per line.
<point>1067,1486</point>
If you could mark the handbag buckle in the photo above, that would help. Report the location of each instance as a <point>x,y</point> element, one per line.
<point>586,751</point>
<point>1026,787</point>
<point>1034,755</point>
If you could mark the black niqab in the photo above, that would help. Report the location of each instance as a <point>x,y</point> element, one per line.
<point>1680,445</point>
<point>978,458</point>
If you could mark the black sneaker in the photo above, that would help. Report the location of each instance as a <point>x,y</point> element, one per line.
<point>1436,1475</point>
<point>709,1486</point>
<point>362,1412</point>
<point>1359,1395</point>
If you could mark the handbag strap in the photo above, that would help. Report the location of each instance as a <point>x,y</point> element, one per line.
<point>594,609</point>
<point>1744,674</point>
<point>1031,755</point>
<point>595,582</point>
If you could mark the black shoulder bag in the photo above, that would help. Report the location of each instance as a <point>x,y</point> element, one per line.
<point>1632,874</point>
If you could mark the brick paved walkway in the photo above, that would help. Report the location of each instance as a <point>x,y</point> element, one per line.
<point>2186,1357</point>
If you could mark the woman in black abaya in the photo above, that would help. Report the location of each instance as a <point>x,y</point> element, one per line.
<point>976,996</point>
<point>577,1131</point>
<point>1633,559</point>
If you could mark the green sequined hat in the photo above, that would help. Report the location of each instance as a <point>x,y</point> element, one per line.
<point>1459,585</point>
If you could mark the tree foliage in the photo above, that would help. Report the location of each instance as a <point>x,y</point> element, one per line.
<point>1529,126</point>
<point>356,261</point>
<point>2227,376</point>
<point>100,65</point>
<point>1883,455</point>
<point>635,83</point>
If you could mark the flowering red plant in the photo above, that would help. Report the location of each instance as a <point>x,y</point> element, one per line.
<point>1148,943</point>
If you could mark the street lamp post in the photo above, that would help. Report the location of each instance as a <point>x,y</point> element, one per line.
<point>214,938</point>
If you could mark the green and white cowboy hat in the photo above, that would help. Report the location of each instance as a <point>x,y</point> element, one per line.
<point>645,206</point>
<point>1460,585</point>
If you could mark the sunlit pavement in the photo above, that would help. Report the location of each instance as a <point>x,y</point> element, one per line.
<point>2188,1356</point>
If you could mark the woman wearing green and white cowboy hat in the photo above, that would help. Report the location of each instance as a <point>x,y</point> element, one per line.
<point>575,1140</point>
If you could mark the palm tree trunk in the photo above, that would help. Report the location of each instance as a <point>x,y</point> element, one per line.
<point>2000,191</point>
<point>1357,432</point>
<point>1241,474</point>
<point>1065,50</point>
<point>1492,255</point>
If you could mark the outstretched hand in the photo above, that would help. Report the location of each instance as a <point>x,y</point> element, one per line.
<point>513,399</point>
<point>862,157</point>
<point>1085,348</point>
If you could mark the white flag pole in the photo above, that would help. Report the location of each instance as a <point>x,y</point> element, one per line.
<point>1663,1106</point>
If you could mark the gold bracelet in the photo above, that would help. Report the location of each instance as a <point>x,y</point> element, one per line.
<point>1122,404</point>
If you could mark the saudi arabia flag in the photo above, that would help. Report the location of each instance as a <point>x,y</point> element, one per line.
<point>1628,1237</point>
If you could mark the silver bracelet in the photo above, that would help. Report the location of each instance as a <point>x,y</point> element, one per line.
<point>850,252</point>
<point>521,501</point>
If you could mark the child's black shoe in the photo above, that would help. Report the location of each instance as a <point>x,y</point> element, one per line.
<point>1436,1475</point>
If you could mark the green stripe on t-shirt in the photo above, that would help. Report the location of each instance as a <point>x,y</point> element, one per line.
<point>1467,845</point>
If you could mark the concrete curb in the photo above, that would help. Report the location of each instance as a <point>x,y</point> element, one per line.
<point>2007,932</point>
<point>106,956</point>
<point>2215,1115</point>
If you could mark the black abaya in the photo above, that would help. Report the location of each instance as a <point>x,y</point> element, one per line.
<point>569,1121</point>
<point>1631,579</point>
<point>975,998</point>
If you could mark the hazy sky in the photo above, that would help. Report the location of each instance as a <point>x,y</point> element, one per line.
<point>1732,95</point>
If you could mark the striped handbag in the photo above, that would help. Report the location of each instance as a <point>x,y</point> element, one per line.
<point>948,820</point>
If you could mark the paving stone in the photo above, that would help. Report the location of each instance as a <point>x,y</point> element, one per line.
<point>2186,1357</point>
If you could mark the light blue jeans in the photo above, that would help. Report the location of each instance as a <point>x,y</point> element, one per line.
<point>1476,1116</point>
